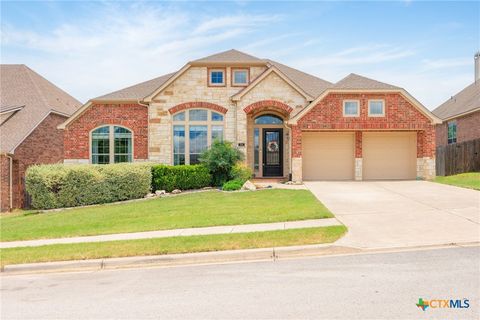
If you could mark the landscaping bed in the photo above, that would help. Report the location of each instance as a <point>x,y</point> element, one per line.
<point>469,180</point>
<point>158,246</point>
<point>211,208</point>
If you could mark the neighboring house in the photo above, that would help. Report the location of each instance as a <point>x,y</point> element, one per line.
<point>31,108</point>
<point>461,113</point>
<point>287,122</point>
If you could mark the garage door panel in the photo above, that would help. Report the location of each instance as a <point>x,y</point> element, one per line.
<point>389,155</point>
<point>328,155</point>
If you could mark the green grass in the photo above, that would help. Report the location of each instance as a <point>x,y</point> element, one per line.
<point>110,249</point>
<point>184,211</point>
<point>469,180</point>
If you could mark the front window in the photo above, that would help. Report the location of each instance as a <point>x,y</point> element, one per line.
<point>268,119</point>
<point>351,108</point>
<point>193,132</point>
<point>376,108</point>
<point>216,77</point>
<point>111,144</point>
<point>452,132</point>
<point>240,77</point>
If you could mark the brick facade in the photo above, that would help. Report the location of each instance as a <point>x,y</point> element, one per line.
<point>132,116</point>
<point>468,128</point>
<point>43,145</point>
<point>261,105</point>
<point>400,115</point>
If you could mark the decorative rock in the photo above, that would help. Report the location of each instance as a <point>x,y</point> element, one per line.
<point>176,191</point>
<point>160,192</point>
<point>150,195</point>
<point>207,188</point>
<point>248,185</point>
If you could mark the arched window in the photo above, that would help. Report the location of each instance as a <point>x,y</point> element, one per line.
<point>193,132</point>
<point>111,144</point>
<point>268,119</point>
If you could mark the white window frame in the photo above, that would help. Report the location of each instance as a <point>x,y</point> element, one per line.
<point>358,108</point>
<point>383,108</point>
<point>223,71</point>
<point>111,142</point>
<point>235,70</point>
<point>187,123</point>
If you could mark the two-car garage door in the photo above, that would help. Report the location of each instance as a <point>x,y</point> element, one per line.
<point>386,155</point>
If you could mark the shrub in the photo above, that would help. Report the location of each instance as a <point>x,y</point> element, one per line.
<point>232,185</point>
<point>58,185</point>
<point>182,177</point>
<point>220,159</point>
<point>241,172</point>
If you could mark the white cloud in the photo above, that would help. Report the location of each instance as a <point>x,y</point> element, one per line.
<point>360,55</point>
<point>114,47</point>
<point>234,21</point>
<point>446,63</point>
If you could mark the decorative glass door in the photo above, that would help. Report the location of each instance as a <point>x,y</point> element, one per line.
<point>272,152</point>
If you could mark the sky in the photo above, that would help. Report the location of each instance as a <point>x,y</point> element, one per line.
<point>92,48</point>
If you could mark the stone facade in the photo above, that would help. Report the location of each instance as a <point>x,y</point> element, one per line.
<point>468,128</point>
<point>43,145</point>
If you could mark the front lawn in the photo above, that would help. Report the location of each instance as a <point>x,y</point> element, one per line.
<point>110,249</point>
<point>184,211</point>
<point>469,180</point>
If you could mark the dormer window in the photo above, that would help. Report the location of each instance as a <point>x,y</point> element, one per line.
<point>216,77</point>
<point>240,77</point>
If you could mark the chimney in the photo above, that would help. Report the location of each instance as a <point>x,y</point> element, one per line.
<point>476,58</point>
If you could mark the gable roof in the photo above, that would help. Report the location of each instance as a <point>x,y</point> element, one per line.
<point>312,85</point>
<point>264,75</point>
<point>466,101</point>
<point>356,82</point>
<point>229,57</point>
<point>137,91</point>
<point>38,97</point>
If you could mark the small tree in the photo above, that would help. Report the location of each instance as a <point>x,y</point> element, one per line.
<point>220,159</point>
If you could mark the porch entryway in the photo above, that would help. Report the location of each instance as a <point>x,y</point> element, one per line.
<point>267,153</point>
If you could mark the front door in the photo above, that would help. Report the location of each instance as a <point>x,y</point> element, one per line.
<point>273,152</point>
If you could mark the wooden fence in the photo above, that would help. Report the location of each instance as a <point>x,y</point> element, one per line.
<point>458,158</point>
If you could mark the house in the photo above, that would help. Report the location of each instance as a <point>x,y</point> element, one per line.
<point>461,113</point>
<point>288,123</point>
<point>31,108</point>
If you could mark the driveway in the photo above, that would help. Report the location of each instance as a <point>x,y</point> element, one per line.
<point>383,214</point>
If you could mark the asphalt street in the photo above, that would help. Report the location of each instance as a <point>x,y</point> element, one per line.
<point>367,286</point>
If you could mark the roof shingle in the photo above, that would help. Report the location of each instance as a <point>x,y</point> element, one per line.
<point>138,91</point>
<point>21,86</point>
<point>465,101</point>
<point>354,81</point>
<point>229,56</point>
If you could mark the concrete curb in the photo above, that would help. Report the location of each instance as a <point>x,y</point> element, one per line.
<point>215,257</point>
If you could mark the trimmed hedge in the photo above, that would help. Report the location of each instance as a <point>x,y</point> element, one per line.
<point>182,177</point>
<point>58,186</point>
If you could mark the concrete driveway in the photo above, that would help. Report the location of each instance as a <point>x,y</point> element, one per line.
<point>383,214</point>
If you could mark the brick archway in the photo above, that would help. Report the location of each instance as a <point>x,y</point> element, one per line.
<point>194,105</point>
<point>268,104</point>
